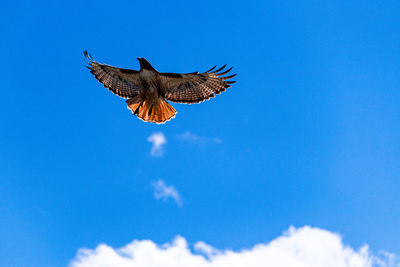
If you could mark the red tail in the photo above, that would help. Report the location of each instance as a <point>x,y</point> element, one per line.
<point>158,112</point>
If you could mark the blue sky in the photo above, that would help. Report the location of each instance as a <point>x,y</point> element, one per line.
<point>309,135</point>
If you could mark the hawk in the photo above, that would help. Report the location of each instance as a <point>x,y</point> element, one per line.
<point>147,89</point>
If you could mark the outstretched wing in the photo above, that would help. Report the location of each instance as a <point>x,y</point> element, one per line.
<point>122,82</point>
<point>194,87</point>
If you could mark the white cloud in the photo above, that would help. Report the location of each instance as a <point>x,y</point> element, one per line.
<point>205,249</point>
<point>164,192</point>
<point>193,138</point>
<point>158,140</point>
<point>302,247</point>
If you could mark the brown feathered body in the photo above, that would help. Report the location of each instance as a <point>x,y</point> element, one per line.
<point>147,89</point>
<point>149,105</point>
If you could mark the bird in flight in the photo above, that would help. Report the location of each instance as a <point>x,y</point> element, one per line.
<point>147,89</point>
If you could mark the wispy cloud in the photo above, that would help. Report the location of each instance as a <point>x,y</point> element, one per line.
<point>189,136</point>
<point>193,138</point>
<point>306,246</point>
<point>158,140</point>
<point>205,249</point>
<point>164,192</point>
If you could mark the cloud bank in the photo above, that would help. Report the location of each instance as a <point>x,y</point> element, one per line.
<point>302,247</point>
<point>164,192</point>
<point>158,140</point>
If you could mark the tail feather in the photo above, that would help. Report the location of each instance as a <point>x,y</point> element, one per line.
<point>157,112</point>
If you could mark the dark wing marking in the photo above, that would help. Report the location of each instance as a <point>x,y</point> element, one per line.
<point>122,82</point>
<point>194,87</point>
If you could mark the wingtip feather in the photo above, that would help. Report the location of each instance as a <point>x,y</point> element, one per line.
<point>211,69</point>
<point>218,70</point>
<point>88,56</point>
<point>226,71</point>
<point>229,77</point>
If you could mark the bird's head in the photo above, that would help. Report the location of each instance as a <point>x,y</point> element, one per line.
<point>144,64</point>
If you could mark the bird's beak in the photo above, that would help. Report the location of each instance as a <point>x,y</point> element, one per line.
<point>138,58</point>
